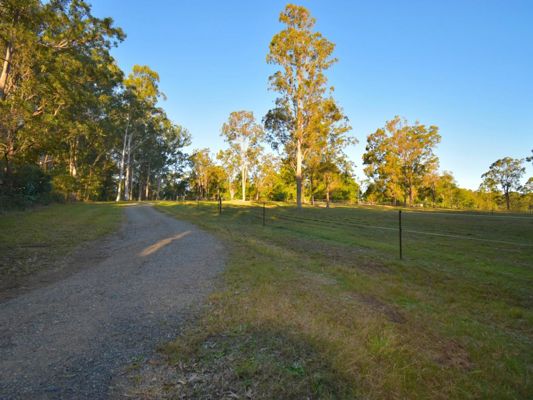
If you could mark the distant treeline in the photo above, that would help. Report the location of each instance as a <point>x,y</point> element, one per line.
<point>74,127</point>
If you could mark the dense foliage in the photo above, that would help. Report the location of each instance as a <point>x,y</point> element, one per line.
<point>69,121</point>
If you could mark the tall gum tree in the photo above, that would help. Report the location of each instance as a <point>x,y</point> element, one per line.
<point>140,97</point>
<point>303,57</point>
<point>243,135</point>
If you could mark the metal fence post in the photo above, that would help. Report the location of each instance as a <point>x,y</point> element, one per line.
<point>264,212</point>
<point>219,205</point>
<point>400,231</point>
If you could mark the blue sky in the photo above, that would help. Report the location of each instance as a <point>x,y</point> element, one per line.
<point>465,66</point>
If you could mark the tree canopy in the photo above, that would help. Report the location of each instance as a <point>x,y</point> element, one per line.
<point>74,126</point>
<point>505,173</point>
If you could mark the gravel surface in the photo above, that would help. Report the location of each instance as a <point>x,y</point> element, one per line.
<point>71,338</point>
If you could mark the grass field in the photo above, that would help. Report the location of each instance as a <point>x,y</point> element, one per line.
<point>33,241</point>
<point>316,304</point>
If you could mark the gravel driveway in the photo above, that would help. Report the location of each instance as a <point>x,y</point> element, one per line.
<point>69,339</point>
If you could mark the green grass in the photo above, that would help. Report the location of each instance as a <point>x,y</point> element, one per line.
<point>327,310</point>
<point>33,241</point>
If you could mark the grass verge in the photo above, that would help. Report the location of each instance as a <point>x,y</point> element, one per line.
<point>33,241</point>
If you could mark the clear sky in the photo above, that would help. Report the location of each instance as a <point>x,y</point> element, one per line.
<point>465,66</point>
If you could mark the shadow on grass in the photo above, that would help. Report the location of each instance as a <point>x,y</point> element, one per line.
<point>246,363</point>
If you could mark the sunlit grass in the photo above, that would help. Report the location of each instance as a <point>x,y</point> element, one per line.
<point>32,241</point>
<point>451,320</point>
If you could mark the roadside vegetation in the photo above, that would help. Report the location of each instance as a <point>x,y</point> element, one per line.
<point>34,241</point>
<point>316,310</point>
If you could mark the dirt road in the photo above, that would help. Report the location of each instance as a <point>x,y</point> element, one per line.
<point>70,339</point>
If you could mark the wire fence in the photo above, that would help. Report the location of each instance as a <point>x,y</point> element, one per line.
<point>396,222</point>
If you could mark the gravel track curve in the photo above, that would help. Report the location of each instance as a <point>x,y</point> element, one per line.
<point>71,338</point>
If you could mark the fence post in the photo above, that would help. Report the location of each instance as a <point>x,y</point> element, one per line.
<point>264,212</point>
<point>219,205</point>
<point>400,231</point>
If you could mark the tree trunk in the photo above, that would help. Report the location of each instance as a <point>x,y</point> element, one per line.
<point>299,173</point>
<point>6,66</point>
<point>243,181</point>
<point>327,195</point>
<point>87,195</point>
<point>312,189</point>
<point>231,190</point>
<point>128,171</point>
<point>72,162</point>
<point>508,200</point>
<point>147,186</point>
<point>131,178</point>
<point>158,187</point>
<point>122,163</point>
<point>140,194</point>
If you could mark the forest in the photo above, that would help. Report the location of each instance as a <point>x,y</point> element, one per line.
<point>75,127</point>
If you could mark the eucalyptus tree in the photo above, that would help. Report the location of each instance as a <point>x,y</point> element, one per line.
<point>201,165</point>
<point>231,166</point>
<point>265,175</point>
<point>505,173</point>
<point>57,84</point>
<point>332,139</point>
<point>161,153</point>
<point>243,134</point>
<point>140,98</point>
<point>53,53</point>
<point>399,156</point>
<point>303,56</point>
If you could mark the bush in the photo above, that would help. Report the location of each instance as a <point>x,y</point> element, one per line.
<point>25,185</point>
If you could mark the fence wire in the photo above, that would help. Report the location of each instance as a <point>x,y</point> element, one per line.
<point>273,216</point>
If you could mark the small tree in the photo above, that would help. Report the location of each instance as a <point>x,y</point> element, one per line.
<point>505,173</point>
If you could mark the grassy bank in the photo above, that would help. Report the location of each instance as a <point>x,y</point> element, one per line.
<point>33,241</point>
<point>317,304</point>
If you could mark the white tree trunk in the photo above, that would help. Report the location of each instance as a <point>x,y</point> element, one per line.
<point>299,173</point>
<point>139,195</point>
<point>122,163</point>
<point>128,171</point>
<point>231,189</point>
<point>147,185</point>
<point>5,70</point>
<point>131,176</point>
<point>73,159</point>
<point>243,181</point>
